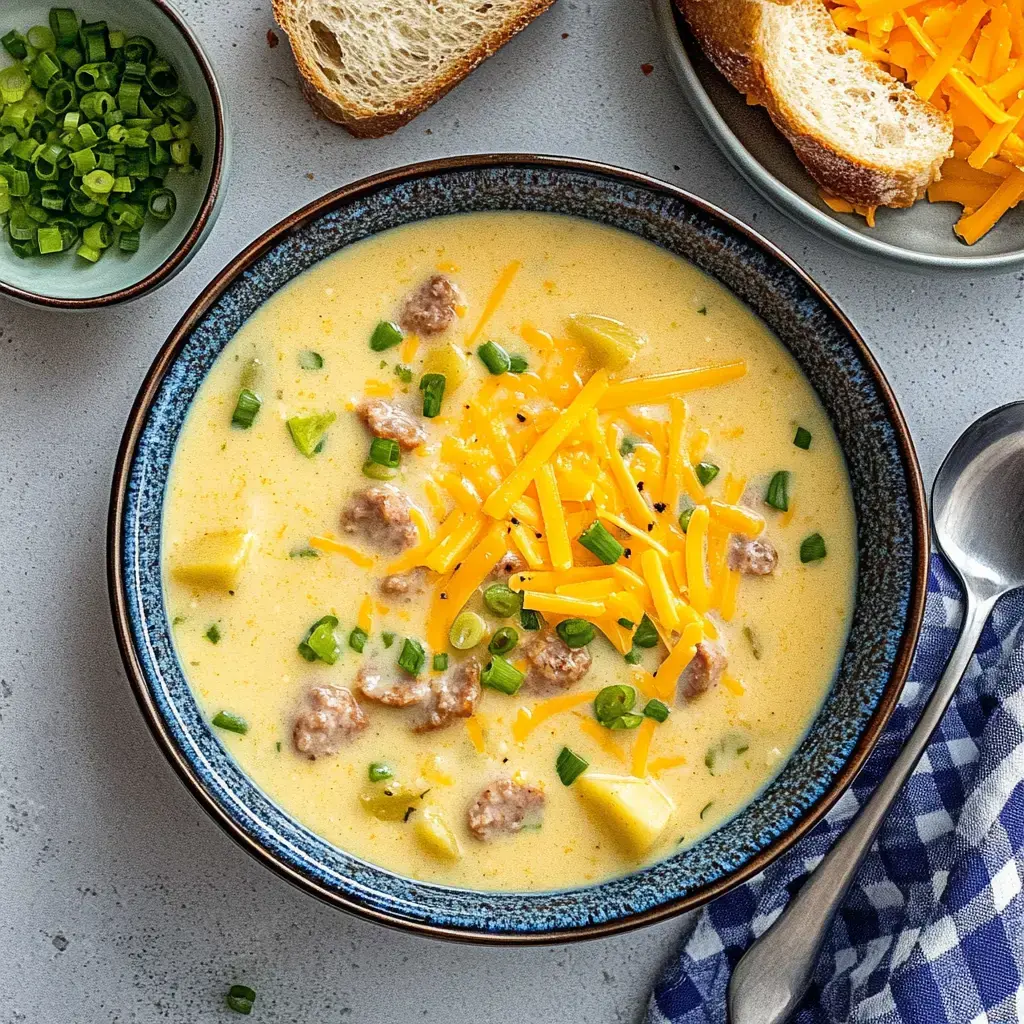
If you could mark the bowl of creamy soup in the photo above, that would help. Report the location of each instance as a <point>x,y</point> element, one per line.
<point>516,549</point>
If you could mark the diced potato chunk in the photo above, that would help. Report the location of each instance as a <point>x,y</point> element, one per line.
<point>634,810</point>
<point>610,343</point>
<point>450,360</point>
<point>436,835</point>
<point>215,559</point>
<point>390,802</point>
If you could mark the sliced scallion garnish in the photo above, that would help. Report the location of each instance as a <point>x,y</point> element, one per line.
<point>613,702</point>
<point>656,709</point>
<point>706,472</point>
<point>494,357</point>
<point>439,663</point>
<point>432,385</point>
<point>778,491</point>
<point>802,438</point>
<point>628,721</point>
<point>387,639</point>
<point>685,516</point>
<point>412,657</point>
<point>384,451</point>
<point>379,771</point>
<point>503,641</point>
<point>213,634</point>
<point>357,639</point>
<point>502,600</point>
<point>646,635</point>
<point>529,619</point>
<point>499,675</point>
<point>467,631</point>
<point>403,373</point>
<point>570,766</point>
<point>321,642</point>
<point>813,548</point>
<point>310,360</point>
<point>308,431</point>
<point>576,632</point>
<point>597,540</point>
<point>231,722</point>
<point>246,407</point>
<point>385,335</point>
<point>517,364</point>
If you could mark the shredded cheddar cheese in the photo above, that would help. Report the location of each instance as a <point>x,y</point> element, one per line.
<point>334,547</point>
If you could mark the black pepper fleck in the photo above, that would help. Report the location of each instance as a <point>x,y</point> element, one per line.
<point>660,506</point>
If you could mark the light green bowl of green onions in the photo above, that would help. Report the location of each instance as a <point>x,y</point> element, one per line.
<point>112,149</point>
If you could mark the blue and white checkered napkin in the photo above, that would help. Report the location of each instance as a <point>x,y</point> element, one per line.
<point>933,930</point>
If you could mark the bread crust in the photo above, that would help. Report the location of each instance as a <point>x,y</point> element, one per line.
<point>726,31</point>
<point>367,124</point>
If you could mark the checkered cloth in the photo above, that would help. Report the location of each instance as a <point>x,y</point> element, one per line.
<point>933,928</point>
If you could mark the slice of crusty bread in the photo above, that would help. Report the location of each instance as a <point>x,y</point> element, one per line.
<point>373,65</point>
<point>862,135</point>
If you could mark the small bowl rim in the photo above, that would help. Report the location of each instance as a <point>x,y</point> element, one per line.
<point>779,194</point>
<point>186,248</point>
<point>136,674</point>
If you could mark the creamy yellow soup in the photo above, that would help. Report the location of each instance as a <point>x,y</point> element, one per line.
<point>520,276</point>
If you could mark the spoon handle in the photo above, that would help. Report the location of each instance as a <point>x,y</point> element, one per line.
<point>775,972</point>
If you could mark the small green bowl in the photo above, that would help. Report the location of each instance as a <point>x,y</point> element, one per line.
<point>64,281</point>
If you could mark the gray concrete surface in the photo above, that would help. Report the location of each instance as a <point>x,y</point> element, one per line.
<point>119,899</point>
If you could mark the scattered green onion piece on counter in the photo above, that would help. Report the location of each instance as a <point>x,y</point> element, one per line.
<point>503,641</point>
<point>570,766</point>
<point>432,385</point>
<point>240,999</point>
<point>633,656</point>
<point>812,549</point>
<point>802,438</point>
<point>231,722</point>
<point>598,541</point>
<point>628,721</point>
<point>247,406</point>
<point>529,619</point>
<point>778,491</point>
<point>357,639</point>
<point>576,632</point>
<point>384,451</point>
<point>387,639</point>
<point>467,631</point>
<point>499,675</point>
<point>502,600</point>
<point>685,516</point>
<point>310,360</point>
<point>385,335</point>
<point>379,772</point>
<point>626,623</point>
<point>517,364</point>
<point>403,373</point>
<point>440,663</point>
<point>494,357</point>
<point>308,431</point>
<point>706,472</point>
<point>412,657</point>
<point>646,635</point>
<point>613,702</point>
<point>213,634</point>
<point>656,709</point>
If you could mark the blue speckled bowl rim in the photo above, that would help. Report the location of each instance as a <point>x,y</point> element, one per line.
<point>263,829</point>
<point>200,227</point>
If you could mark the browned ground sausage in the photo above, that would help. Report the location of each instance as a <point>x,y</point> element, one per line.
<point>382,514</point>
<point>431,308</point>
<point>509,563</point>
<point>330,719</point>
<point>405,584</point>
<point>503,808</point>
<point>554,665</point>
<point>452,695</point>
<point>703,672</point>
<point>385,419</point>
<point>396,691</point>
<point>752,557</point>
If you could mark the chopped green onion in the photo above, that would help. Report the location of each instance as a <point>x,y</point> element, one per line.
<point>633,656</point>
<point>387,639</point>
<point>613,702</point>
<point>64,26</point>
<point>517,364</point>
<point>778,491</point>
<point>813,548</point>
<point>629,721</point>
<point>802,438</point>
<point>570,766</point>
<point>162,78</point>
<point>494,357</point>
<point>213,634</point>
<point>357,639</point>
<point>499,675</point>
<point>432,385</point>
<point>467,631</point>
<point>403,373</point>
<point>240,998</point>
<point>41,37</point>
<point>597,540</point>
<point>320,639</point>
<point>412,657</point>
<point>385,452</point>
<point>502,600</point>
<point>503,641</point>
<point>246,408</point>
<point>379,771</point>
<point>310,360</point>
<point>375,471</point>
<point>440,663</point>
<point>628,445</point>
<point>303,553</point>
<point>162,202</point>
<point>385,335</point>
<point>49,240</point>
<point>529,619</point>
<point>576,632</point>
<point>656,709</point>
<point>685,516</point>
<point>308,431</point>
<point>626,623</point>
<point>706,472</point>
<point>128,241</point>
<point>231,722</point>
<point>14,83</point>
<point>646,635</point>
<point>14,43</point>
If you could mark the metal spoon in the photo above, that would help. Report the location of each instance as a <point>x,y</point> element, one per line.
<point>978,522</point>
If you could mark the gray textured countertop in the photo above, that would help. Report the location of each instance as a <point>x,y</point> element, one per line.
<point>120,900</point>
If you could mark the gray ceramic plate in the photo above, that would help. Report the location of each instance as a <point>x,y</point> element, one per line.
<point>920,238</point>
<point>887,491</point>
